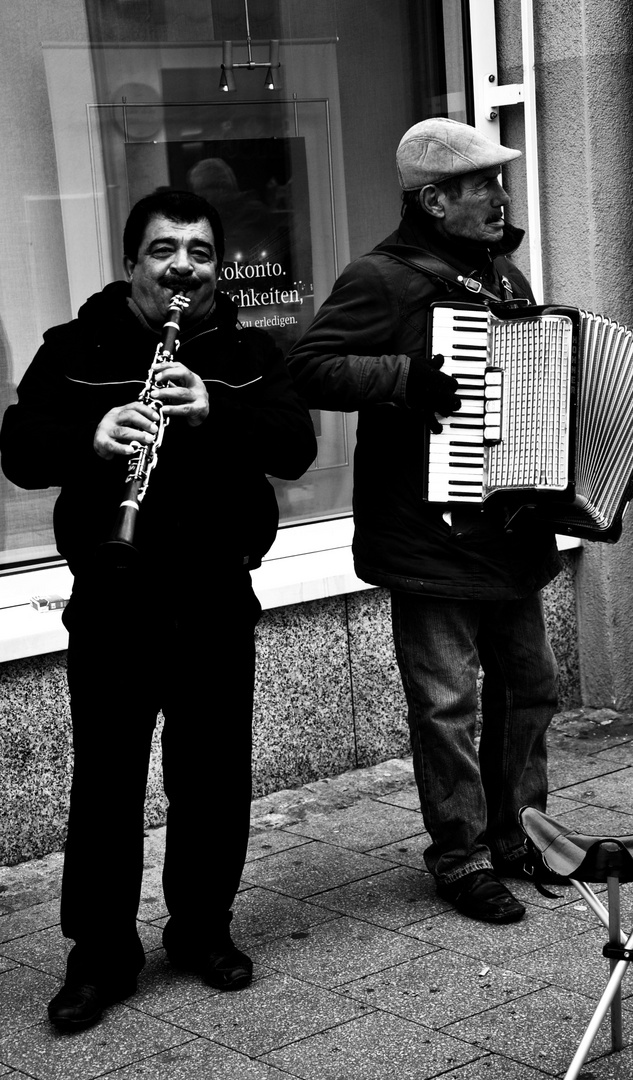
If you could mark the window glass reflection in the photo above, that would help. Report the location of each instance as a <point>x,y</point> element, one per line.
<point>104,102</point>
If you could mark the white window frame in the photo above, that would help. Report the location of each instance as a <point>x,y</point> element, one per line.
<point>489,98</point>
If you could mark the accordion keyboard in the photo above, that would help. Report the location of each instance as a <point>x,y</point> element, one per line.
<point>547,415</point>
<point>456,456</point>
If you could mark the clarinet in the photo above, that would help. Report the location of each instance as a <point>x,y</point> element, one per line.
<point>120,548</point>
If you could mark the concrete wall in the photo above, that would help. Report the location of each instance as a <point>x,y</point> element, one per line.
<point>328,698</point>
<point>584,85</point>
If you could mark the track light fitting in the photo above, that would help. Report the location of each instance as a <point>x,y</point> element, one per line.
<point>227,81</point>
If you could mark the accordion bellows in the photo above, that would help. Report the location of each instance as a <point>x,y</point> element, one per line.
<point>547,415</point>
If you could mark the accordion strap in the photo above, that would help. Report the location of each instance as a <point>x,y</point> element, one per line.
<point>437,268</point>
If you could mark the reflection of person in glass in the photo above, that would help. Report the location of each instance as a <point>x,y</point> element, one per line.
<point>464,590</point>
<point>175,630</point>
<point>251,227</point>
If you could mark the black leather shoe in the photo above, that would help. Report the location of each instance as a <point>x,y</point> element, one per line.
<point>80,1005</point>
<point>228,969</point>
<point>480,895</point>
<point>225,968</point>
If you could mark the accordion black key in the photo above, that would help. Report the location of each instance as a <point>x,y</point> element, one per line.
<point>546,422</point>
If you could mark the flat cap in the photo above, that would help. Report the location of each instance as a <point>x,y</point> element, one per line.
<point>438,149</point>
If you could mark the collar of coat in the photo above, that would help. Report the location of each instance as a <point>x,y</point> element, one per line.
<point>466,257</point>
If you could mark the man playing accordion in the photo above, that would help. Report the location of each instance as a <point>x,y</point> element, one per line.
<point>464,589</point>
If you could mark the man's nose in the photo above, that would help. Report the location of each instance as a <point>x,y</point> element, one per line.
<point>500,196</point>
<point>181,261</point>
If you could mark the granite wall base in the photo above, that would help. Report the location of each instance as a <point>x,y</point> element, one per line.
<point>328,698</point>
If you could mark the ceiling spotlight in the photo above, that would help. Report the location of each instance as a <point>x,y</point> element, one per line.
<point>227,82</point>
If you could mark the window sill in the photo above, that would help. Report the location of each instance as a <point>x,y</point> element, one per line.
<point>306,562</point>
<point>23,630</point>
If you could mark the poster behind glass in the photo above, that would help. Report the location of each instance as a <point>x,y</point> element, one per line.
<point>260,189</point>
<point>259,185</point>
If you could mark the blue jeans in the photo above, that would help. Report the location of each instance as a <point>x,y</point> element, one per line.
<point>469,800</point>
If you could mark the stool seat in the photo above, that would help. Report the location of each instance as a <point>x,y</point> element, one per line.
<point>583,858</point>
<point>577,855</point>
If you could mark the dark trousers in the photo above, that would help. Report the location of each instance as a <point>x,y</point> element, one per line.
<point>194,658</point>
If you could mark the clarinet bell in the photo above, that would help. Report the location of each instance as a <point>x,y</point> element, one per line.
<point>120,552</point>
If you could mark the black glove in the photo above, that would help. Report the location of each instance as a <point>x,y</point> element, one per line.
<point>431,391</point>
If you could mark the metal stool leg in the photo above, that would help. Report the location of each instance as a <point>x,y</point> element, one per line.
<point>612,997</point>
<point>596,906</point>
<point>613,887</point>
<point>611,919</point>
<point>612,988</point>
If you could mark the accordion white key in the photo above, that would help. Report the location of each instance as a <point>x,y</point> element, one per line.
<point>546,421</point>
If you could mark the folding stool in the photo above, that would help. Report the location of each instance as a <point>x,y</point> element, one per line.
<point>583,860</point>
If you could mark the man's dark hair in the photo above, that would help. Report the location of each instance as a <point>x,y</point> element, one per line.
<point>180,206</point>
<point>411,202</point>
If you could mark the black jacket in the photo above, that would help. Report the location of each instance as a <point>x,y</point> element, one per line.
<point>209,498</point>
<point>356,356</point>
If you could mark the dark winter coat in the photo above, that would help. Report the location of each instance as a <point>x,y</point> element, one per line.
<point>356,356</point>
<point>209,502</point>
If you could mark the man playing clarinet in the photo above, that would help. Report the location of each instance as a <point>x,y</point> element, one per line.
<point>173,628</point>
<point>464,587</point>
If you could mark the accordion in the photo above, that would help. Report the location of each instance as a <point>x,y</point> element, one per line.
<point>546,421</point>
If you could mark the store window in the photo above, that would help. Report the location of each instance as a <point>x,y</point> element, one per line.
<point>102,103</point>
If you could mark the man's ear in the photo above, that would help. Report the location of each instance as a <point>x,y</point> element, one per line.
<point>432,200</point>
<point>128,266</point>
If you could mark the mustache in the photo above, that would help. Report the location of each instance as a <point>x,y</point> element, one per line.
<point>180,285</point>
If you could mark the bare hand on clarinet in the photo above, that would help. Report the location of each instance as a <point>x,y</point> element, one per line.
<point>181,392</point>
<point>124,429</point>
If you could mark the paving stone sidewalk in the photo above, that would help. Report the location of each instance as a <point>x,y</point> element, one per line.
<point>361,972</point>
